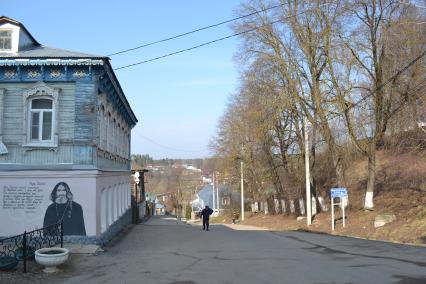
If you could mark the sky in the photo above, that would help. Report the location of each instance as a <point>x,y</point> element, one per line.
<point>178,100</point>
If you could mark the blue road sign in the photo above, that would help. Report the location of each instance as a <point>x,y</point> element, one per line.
<point>338,192</point>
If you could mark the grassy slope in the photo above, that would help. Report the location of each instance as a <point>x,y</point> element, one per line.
<point>400,189</point>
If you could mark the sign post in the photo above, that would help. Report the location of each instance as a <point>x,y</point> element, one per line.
<point>338,193</point>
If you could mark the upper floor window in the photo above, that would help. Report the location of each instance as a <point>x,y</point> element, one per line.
<point>41,116</point>
<point>5,40</point>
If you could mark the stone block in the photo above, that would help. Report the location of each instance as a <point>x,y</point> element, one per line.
<point>322,204</point>
<point>314,206</point>
<point>383,219</point>
<point>256,206</point>
<point>277,206</point>
<point>302,207</point>
<point>283,207</point>
<point>292,207</point>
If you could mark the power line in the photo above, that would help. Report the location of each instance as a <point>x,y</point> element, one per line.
<point>393,77</point>
<point>209,42</point>
<point>191,48</point>
<point>219,39</point>
<point>411,4</point>
<point>167,147</point>
<point>196,30</point>
<point>389,80</point>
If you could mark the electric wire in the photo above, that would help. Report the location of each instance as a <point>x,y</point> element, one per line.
<point>167,147</point>
<point>237,34</point>
<point>393,77</point>
<point>190,48</point>
<point>219,39</point>
<point>209,42</point>
<point>196,30</point>
<point>411,4</point>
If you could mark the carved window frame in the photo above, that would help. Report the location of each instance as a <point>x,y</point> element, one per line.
<point>40,91</point>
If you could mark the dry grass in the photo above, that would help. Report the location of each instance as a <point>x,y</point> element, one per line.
<point>401,190</point>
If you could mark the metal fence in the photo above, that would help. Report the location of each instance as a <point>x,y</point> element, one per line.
<point>22,247</point>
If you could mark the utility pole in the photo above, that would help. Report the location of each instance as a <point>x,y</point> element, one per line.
<point>213,192</point>
<point>217,193</point>
<point>242,190</point>
<point>308,178</point>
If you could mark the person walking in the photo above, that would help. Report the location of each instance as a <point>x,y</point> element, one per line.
<point>205,214</point>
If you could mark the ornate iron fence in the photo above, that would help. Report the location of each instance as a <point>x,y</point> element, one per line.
<point>22,247</point>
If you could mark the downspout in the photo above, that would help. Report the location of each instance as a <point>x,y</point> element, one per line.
<point>3,149</point>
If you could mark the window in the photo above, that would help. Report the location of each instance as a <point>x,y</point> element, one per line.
<point>109,133</point>
<point>119,139</point>
<point>5,40</point>
<point>41,116</point>
<point>41,120</point>
<point>123,140</point>
<point>114,136</point>
<point>103,128</point>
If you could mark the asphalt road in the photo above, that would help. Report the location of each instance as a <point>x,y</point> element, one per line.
<point>166,251</point>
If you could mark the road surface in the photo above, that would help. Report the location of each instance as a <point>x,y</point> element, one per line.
<point>164,250</point>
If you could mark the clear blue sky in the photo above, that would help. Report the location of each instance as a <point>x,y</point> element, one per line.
<point>178,100</point>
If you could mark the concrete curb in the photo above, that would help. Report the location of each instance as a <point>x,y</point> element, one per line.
<point>83,249</point>
<point>353,237</point>
<point>242,227</point>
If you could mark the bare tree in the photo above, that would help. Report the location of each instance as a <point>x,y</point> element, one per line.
<point>377,83</point>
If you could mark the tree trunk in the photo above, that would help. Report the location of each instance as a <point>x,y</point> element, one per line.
<point>340,171</point>
<point>368,203</point>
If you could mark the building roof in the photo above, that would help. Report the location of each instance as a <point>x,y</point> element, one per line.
<point>4,19</point>
<point>205,195</point>
<point>37,54</point>
<point>41,51</point>
<point>36,50</point>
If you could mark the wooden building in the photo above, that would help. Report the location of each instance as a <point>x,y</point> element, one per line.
<point>65,132</point>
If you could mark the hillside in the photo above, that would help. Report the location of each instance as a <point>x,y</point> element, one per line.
<point>401,190</point>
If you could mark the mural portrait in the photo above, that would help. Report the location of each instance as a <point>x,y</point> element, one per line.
<point>65,210</point>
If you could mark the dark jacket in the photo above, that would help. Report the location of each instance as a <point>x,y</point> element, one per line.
<point>206,212</point>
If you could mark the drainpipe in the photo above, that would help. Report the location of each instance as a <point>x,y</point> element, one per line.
<point>3,149</point>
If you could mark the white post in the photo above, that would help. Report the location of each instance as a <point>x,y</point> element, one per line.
<point>332,213</point>
<point>308,178</point>
<point>213,193</point>
<point>343,210</point>
<point>217,194</point>
<point>242,192</point>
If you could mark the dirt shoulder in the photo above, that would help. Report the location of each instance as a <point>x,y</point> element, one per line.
<point>359,223</point>
<point>400,190</point>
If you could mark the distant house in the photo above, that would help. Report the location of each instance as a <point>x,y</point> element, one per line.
<point>164,197</point>
<point>192,168</point>
<point>207,180</point>
<point>227,198</point>
<point>65,132</point>
<point>160,209</point>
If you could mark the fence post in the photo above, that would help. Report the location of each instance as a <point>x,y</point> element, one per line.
<point>24,250</point>
<point>62,234</point>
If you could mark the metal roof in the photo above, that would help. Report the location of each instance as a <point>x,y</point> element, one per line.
<point>48,52</point>
<point>36,54</point>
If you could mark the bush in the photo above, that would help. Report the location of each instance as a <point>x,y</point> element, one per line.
<point>188,210</point>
